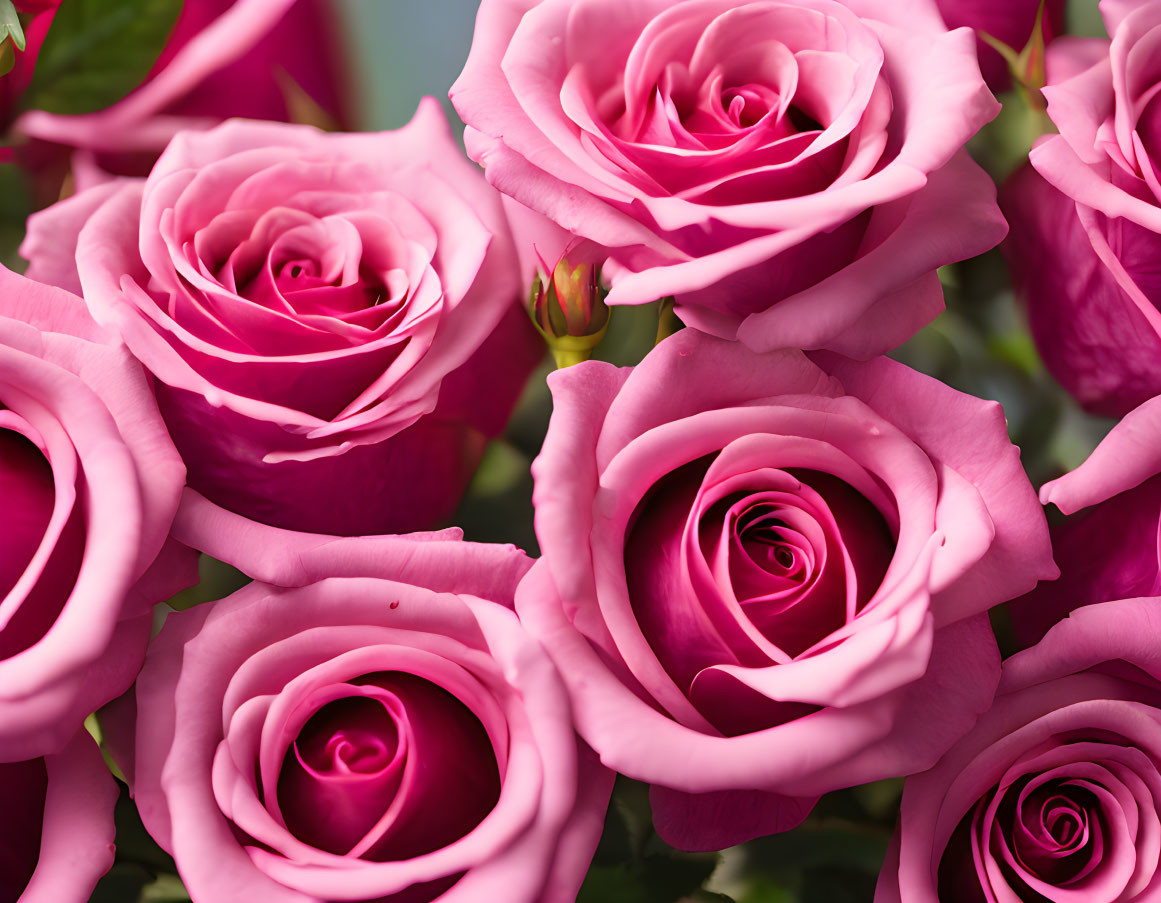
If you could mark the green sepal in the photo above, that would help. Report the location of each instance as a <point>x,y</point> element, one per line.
<point>10,24</point>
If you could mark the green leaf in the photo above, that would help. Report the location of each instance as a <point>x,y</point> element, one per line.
<point>15,205</point>
<point>97,51</point>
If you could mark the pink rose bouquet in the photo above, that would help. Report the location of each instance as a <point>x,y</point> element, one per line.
<point>785,169</point>
<point>382,730</point>
<point>1055,794</point>
<point>89,484</point>
<point>783,597</point>
<point>320,311</point>
<point>769,573</point>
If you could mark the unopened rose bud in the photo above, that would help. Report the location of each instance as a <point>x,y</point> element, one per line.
<point>1027,66</point>
<point>569,310</point>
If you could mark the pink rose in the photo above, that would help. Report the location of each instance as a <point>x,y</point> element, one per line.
<point>1009,21</point>
<point>90,483</point>
<point>383,729</point>
<point>768,573</point>
<point>332,319</point>
<point>1055,794</point>
<point>792,171</point>
<point>1084,245</point>
<point>56,837</point>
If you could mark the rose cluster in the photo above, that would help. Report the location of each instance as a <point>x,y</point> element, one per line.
<point>768,557</point>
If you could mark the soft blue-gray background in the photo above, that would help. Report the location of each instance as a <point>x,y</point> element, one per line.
<point>403,50</point>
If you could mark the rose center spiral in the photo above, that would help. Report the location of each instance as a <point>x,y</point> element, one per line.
<point>1056,830</point>
<point>396,769</point>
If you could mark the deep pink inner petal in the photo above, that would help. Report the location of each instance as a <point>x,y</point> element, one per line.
<point>22,787</point>
<point>27,491</point>
<point>27,495</point>
<point>794,573</point>
<point>1056,831</point>
<point>342,773</point>
<point>417,753</point>
<point>771,546</point>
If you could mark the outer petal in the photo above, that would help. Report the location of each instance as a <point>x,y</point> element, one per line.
<point>1126,457</point>
<point>77,839</point>
<point>285,558</point>
<point>970,437</point>
<point>117,480</point>
<point>884,296</point>
<point>76,846</point>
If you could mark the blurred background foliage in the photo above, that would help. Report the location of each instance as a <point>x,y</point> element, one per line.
<point>402,50</point>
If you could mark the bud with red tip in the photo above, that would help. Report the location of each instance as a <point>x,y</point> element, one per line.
<point>568,309</point>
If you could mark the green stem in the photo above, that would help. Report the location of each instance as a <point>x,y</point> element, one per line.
<point>667,321</point>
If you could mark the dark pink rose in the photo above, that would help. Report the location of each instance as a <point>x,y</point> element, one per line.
<point>1056,792</point>
<point>333,319</point>
<point>765,577</point>
<point>1109,551</point>
<point>56,836</point>
<point>1009,21</point>
<point>224,58</point>
<point>1083,247</point>
<point>1082,297</point>
<point>382,730</point>
<point>1113,549</point>
<point>792,171</point>
<point>90,483</point>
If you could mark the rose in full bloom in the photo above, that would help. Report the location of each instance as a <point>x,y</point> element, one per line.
<point>1056,792</point>
<point>769,573</point>
<point>89,484</point>
<point>793,172</point>
<point>1009,21</point>
<point>56,837</point>
<point>1086,236</point>
<point>383,730</point>
<point>333,319</point>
